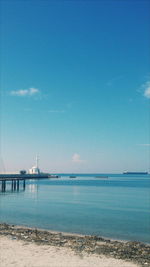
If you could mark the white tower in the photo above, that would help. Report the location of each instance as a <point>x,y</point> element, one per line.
<point>37,161</point>
<point>35,169</point>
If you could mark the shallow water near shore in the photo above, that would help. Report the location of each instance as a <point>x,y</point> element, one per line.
<point>117,207</point>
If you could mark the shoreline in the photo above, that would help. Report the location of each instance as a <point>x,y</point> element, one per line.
<point>136,252</point>
<point>105,238</point>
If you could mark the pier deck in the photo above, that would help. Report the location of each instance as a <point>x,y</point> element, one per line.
<point>22,176</point>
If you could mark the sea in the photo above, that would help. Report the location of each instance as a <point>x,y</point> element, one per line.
<point>117,207</point>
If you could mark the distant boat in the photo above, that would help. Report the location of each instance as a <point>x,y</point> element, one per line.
<point>72,176</point>
<point>101,177</point>
<point>53,176</point>
<point>140,173</point>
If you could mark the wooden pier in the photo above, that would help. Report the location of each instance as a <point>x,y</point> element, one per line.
<point>15,180</point>
<point>15,183</point>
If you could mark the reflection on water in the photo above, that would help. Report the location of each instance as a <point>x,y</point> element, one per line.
<point>33,188</point>
<point>11,187</point>
<point>116,208</point>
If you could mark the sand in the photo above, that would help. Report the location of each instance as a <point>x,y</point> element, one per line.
<point>18,253</point>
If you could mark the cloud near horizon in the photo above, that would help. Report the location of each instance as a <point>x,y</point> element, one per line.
<point>147,89</point>
<point>25,92</point>
<point>144,144</point>
<point>76,158</point>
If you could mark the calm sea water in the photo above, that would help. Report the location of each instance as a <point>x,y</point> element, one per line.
<point>118,207</point>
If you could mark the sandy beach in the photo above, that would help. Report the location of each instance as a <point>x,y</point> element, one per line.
<point>30,247</point>
<point>18,253</point>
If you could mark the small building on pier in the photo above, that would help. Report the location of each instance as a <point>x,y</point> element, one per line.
<point>35,169</point>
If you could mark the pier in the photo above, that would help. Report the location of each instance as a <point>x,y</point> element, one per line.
<point>15,180</point>
<point>15,183</point>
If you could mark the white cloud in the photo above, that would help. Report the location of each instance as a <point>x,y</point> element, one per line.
<point>76,158</point>
<point>144,144</point>
<point>33,91</point>
<point>25,92</point>
<point>147,89</point>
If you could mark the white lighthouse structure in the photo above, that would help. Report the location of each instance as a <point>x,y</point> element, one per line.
<point>35,169</point>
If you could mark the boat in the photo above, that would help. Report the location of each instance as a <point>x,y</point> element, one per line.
<point>53,176</point>
<point>139,173</point>
<point>72,176</point>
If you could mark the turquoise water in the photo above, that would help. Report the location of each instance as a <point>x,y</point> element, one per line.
<point>117,207</point>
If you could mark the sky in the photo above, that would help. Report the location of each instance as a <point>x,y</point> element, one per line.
<point>75,85</point>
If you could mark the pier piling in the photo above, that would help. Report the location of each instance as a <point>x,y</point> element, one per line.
<point>3,186</point>
<point>24,184</point>
<point>14,183</point>
<point>17,185</point>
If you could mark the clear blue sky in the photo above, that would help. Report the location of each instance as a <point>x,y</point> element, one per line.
<point>75,85</point>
